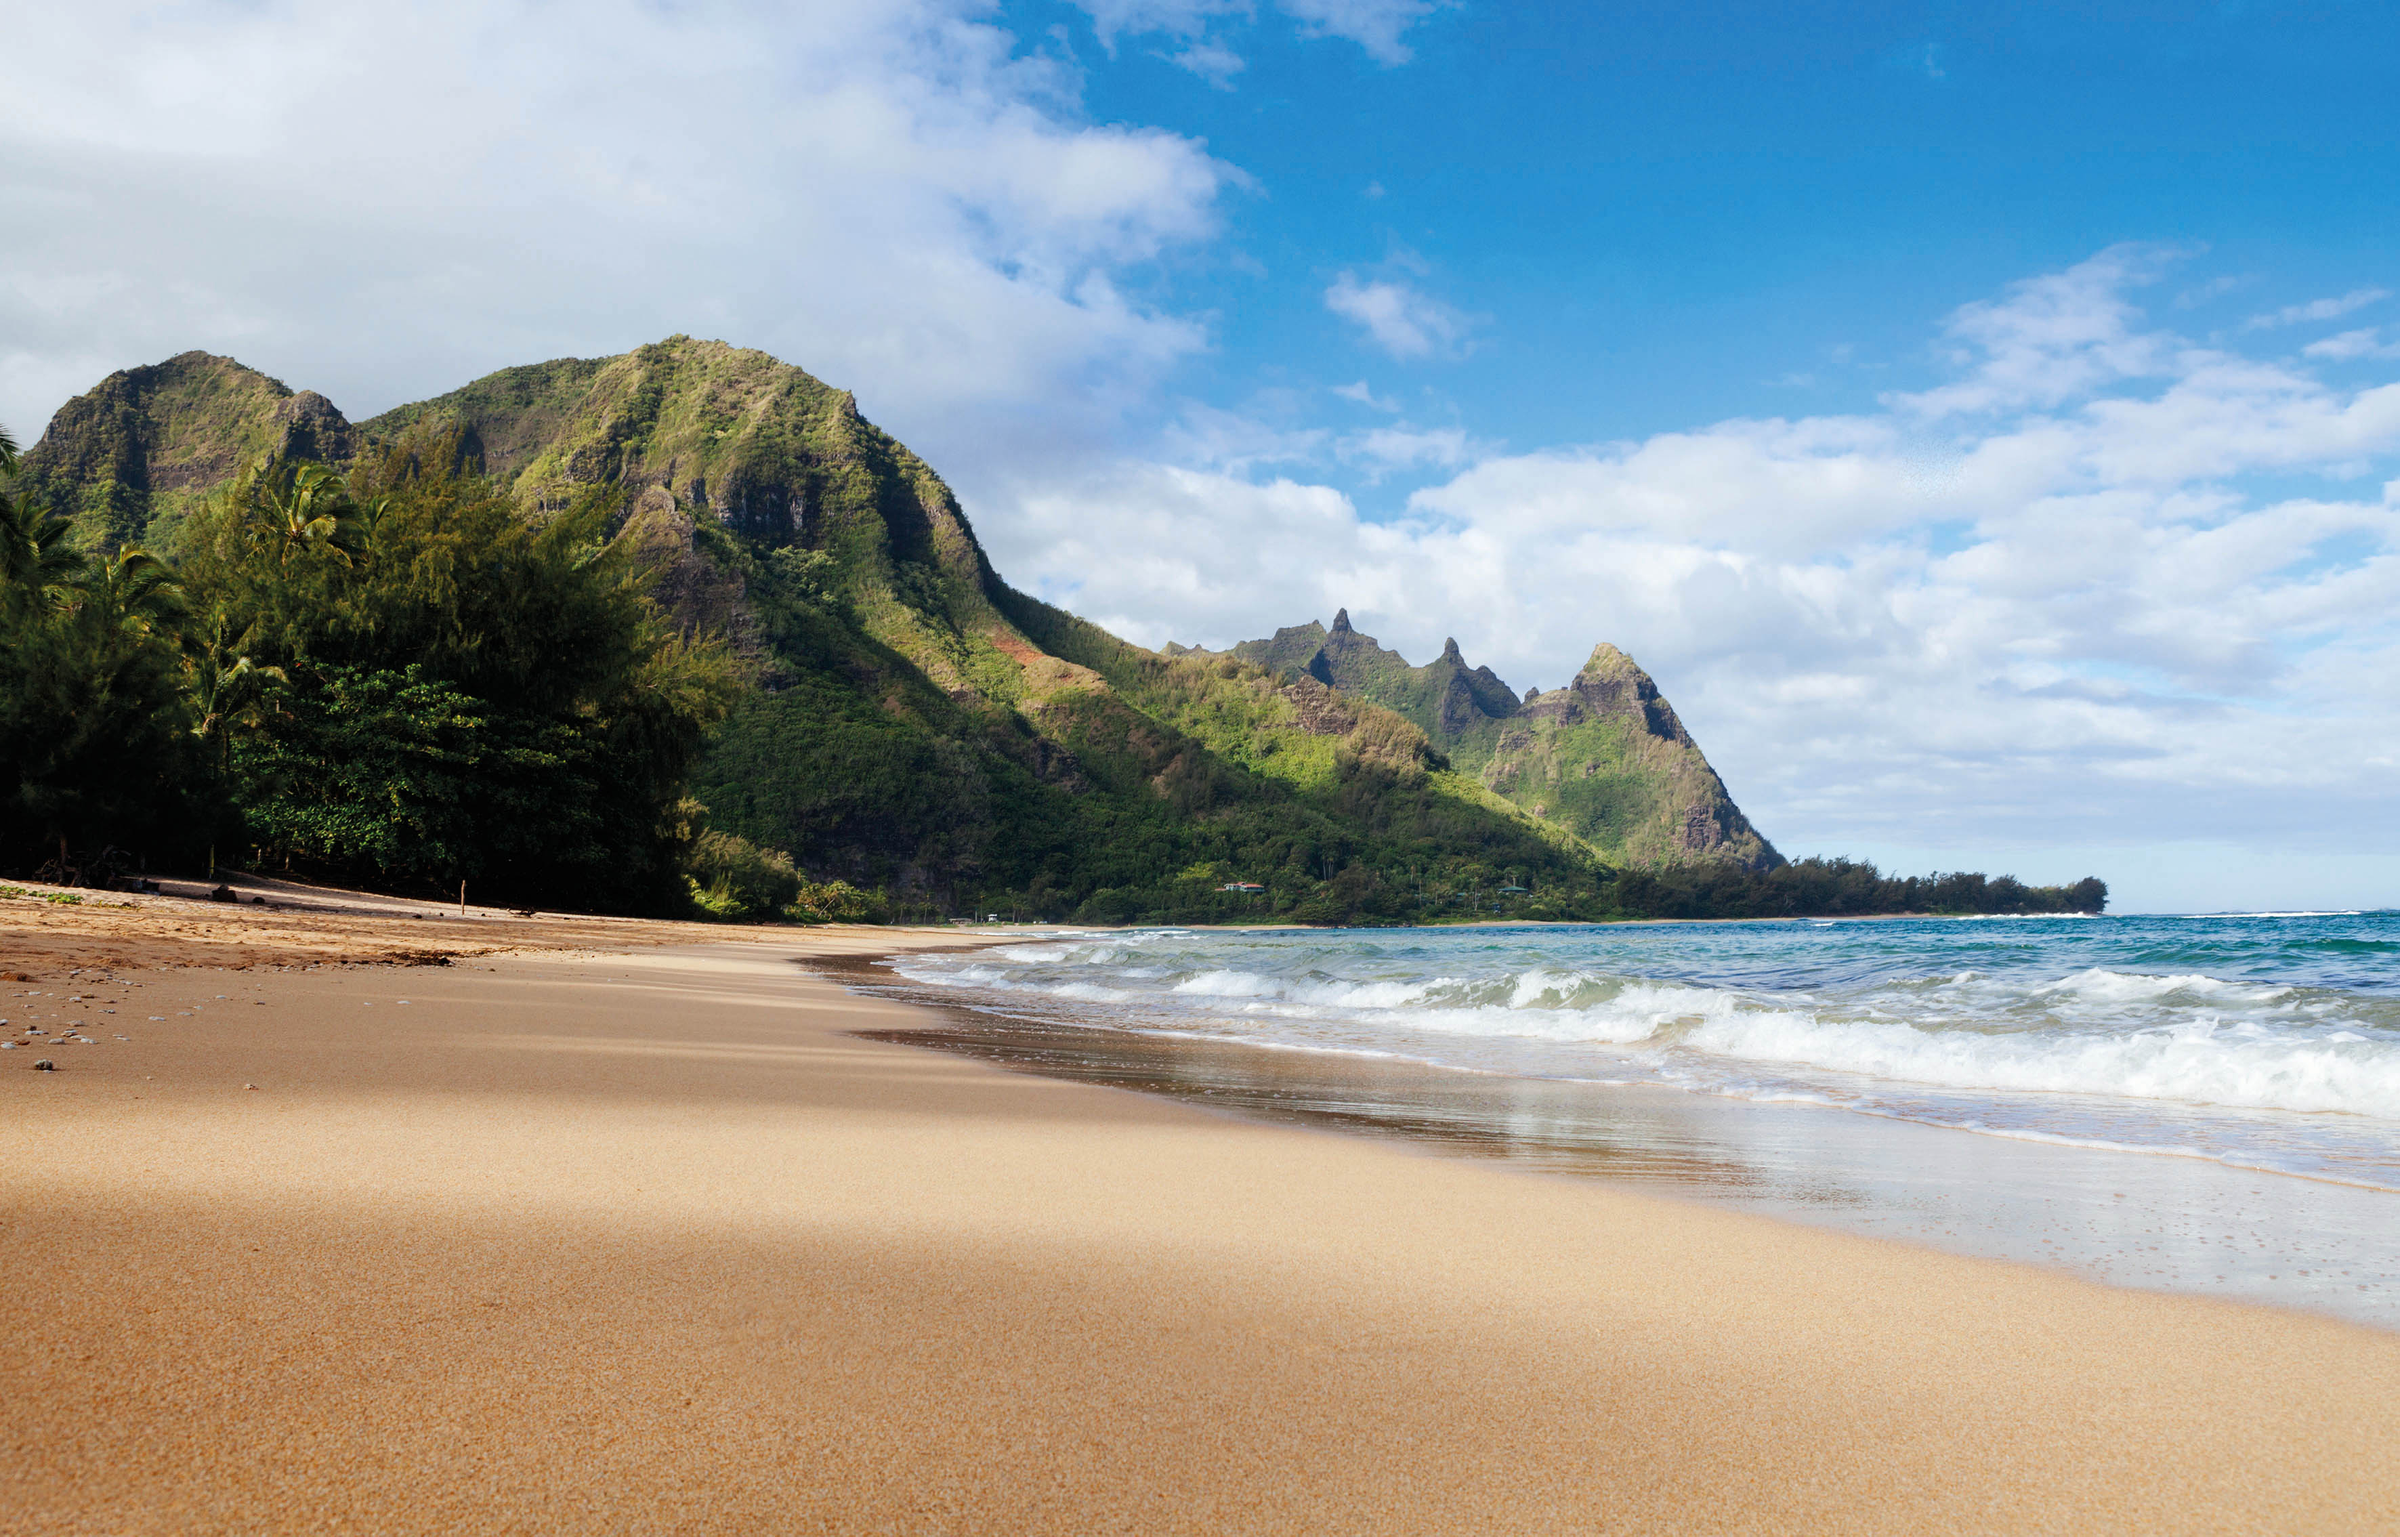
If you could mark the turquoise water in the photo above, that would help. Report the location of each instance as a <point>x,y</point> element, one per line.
<point>2219,1086</point>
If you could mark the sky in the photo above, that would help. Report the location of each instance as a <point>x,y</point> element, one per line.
<point>1984,421</point>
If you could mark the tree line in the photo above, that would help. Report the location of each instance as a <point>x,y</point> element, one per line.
<point>392,678</point>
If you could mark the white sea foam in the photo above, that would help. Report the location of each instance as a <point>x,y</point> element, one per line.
<point>2086,1034</point>
<point>2200,1061</point>
<point>2129,987</point>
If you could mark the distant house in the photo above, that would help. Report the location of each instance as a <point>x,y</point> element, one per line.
<point>1241,886</point>
<point>1513,891</point>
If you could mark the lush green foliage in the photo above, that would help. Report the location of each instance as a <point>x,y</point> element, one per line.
<point>730,877</point>
<point>473,696</point>
<point>393,679</point>
<point>95,758</point>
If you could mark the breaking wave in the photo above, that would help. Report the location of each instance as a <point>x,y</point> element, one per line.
<point>2045,1031</point>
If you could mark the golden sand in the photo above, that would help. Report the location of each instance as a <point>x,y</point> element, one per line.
<point>612,1229</point>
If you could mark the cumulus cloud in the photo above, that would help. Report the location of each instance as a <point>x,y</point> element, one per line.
<point>1400,318</point>
<point>2036,605</point>
<point>381,201</point>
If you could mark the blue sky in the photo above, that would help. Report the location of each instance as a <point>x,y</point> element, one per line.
<point>1666,213</point>
<point>1979,418</point>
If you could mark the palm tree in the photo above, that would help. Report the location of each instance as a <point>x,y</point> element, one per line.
<point>227,691</point>
<point>35,556</point>
<point>307,509</point>
<point>128,600</point>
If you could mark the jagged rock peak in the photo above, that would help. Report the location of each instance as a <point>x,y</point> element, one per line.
<point>1608,662</point>
<point>1451,653</point>
<point>1341,622</point>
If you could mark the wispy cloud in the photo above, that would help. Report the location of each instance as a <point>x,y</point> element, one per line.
<point>2050,338</point>
<point>2367,343</point>
<point>1201,26</point>
<point>1386,450</point>
<point>1403,320</point>
<point>1375,25</point>
<point>2317,309</point>
<point>1365,396</point>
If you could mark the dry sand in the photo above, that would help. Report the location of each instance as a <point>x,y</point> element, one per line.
<point>611,1229</point>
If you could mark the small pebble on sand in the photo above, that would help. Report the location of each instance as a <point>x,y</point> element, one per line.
<point>45,1066</point>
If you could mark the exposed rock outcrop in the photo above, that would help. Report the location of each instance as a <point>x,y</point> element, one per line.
<point>1606,756</point>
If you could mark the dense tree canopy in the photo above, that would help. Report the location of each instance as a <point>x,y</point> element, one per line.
<point>392,678</point>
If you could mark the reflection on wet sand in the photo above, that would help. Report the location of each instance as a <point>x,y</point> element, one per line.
<point>1555,1126</point>
<point>2157,1222</point>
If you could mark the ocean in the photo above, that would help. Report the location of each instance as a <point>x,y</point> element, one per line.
<point>2195,1103</point>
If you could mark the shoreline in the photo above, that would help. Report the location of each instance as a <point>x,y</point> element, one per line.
<point>2057,1205</point>
<point>2169,1214</point>
<point>643,1237</point>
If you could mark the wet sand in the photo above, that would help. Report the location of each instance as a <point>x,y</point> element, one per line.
<point>2160,1223</point>
<point>622,1229</point>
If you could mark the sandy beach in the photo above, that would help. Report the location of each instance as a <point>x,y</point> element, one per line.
<point>378,1224</point>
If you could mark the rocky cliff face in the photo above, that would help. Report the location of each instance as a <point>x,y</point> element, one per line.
<point>762,447</point>
<point>692,430</point>
<point>1445,697</point>
<point>129,457</point>
<point>1605,757</point>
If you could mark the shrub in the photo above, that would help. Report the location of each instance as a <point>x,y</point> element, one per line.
<point>731,877</point>
<point>837,902</point>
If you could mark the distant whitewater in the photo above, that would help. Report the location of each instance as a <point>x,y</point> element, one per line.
<point>2265,1041</point>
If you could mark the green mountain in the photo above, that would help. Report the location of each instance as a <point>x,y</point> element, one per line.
<point>915,726</point>
<point>128,458</point>
<point>1605,758</point>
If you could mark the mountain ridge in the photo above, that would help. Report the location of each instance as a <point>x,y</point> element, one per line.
<point>914,724</point>
<point>1605,757</point>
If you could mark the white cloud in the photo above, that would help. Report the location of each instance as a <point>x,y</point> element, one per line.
<point>1236,443</point>
<point>1113,19</point>
<point>383,201</point>
<point>2317,309</point>
<point>2366,343</point>
<point>1377,26</point>
<point>1363,395</point>
<point>2033,607</point>
<point>2051,338</point>
<point>1386,449</point>
<point>1402,320</point>
<point>1212,62</point>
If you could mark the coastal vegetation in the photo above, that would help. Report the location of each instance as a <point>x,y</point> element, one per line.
<point>681,631</point>
<point>390,679</point>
